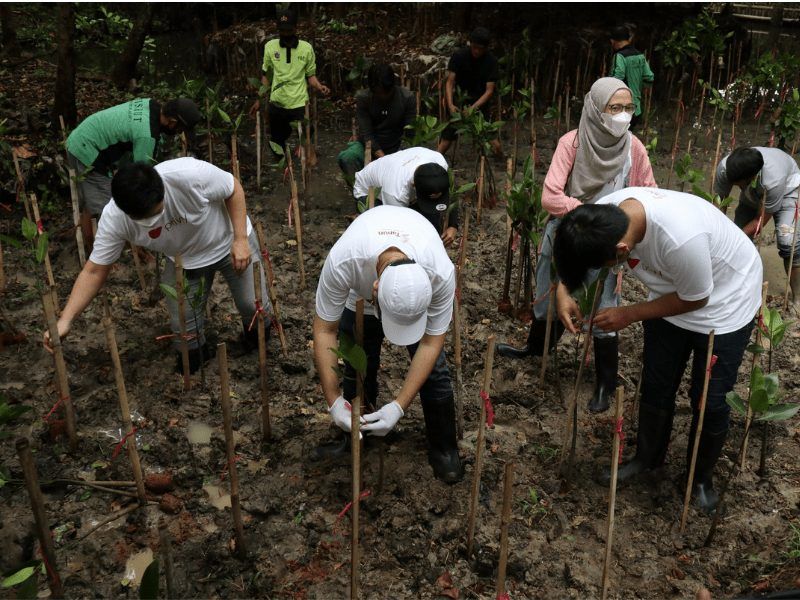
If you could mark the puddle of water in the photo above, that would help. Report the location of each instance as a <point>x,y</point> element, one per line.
<point>199,433</point>
<point>136,565</point>
<point>218,497</point>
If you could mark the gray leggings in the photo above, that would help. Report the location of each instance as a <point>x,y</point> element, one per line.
<point>609,298</point>
<point>784,225</point>
<point>241,286</point>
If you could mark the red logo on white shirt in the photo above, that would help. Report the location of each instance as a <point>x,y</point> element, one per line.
<point>632,262</point>
<point>154,233</point>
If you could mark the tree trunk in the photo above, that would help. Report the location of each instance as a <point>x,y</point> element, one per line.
<point>64,104</point>
<point>10,45</point>
<point>126,67</point>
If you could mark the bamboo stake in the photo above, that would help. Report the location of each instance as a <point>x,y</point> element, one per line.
<point>266,430</point>
<point>571,429</point>
<point>518,282</point>
<point>548,331</point>
<point>506,297</point>
<point>355,455</point>
<point>230,450</point>
<point>76,215</point>
<point>612,495</point>
<point>311,157</point>
<point>749,416</point>
<point>187,381</point>
<point>791,260</point>
<point>138,266</point>
<point>476,479</point>
<point>303,158</point>
<point>481,180</point>
<point>316,124</point>
<point>459,389</point>
<point>235,156</point>
<point>2,270</point>
<point>165,547</point>
<point>273,294</point>
<point>61,367</point>
<point>124,407</point>
<point>209,138</point>
<point>698,432</point>
<point>258,149</point>
<point>48,268</point>
<point>367,160</point>
<point>298,228</point>
<point>20,184</point>
<point>715,163</point>
<point>678,119</point>
<point>505,521</point>
<point>39,515</point>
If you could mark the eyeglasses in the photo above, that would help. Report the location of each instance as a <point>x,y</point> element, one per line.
<point>615,109</point>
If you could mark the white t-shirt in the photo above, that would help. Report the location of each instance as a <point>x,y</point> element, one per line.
<point>194,223</point>
<point>350,268</point>
<point>394,174</point>
<point>779,178</point>
<point>692,248</point>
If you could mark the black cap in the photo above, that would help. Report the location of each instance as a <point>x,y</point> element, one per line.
<point>432,185</point>
<point>621,33</point>
<point>286,19</point>
<point>185,111</point>
<point>480,36</point>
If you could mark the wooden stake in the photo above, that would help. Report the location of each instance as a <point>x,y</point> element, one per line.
<point>367,160</point>
<point>209,138</point>
<point>696,442</point>
<point>61,367</point>
<point>678,119</point>
<point>548,331</point>
<point>303,158</point>
<point>480,188</point>
<point>235,156</point>
<point>48,268</point>
<point>40,516</point>
<point>311,159</point>
<point>355,455</point>
<point>165,548</point>
<point>2,270</point>
<point>715,163</point>
<point>749,416</point>
<point>273,294</point>
<point>20,184</point>
<point>476,478</point>
<point>298,227</point>
<point>258,149</point>
<point>138,266</point>
<point>187,380</point>
<point>459,387</point>
<point>76,215</point>
<point>316,125</point>
<point>791,260</point>
<point>612,493</point>
<point>124,407</point>
<point>505,521</point>
<point>266,430</point>
<point>230,450</point>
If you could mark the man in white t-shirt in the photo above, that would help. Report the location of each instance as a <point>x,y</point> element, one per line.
<point>769,176</point>
<point>183,206</point>
<point>703,273</point>
<point>416,178</point>
<point>393,258</point>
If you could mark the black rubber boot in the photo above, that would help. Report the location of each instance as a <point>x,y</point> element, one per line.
<point>336,449</point>
<point>652,441</point>
<point>440,429</point>
<point>535,343</point>
<point>711,444</point>
<point>606,362</point>
<point>197,356</point>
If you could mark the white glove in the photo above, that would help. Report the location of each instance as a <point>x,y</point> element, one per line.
<point>382,421</point>
<point>340,412</point>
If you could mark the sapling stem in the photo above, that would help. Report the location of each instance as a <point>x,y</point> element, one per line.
<point>76,215</point>
<point>258,149</point>
<point>48,268</point>
<point>298,227</point>
<point>476,478</point>
<point>749,415</point>
<point>61,367</point>
<point>520,270</point>
<point>303,158</point>
<point>181,300</point>
<point>124,407</point>
<point>762,464</point>
<point>39,515</point>
<point>506,299</point>
<point>273,294</point>
<point>612,490</point>
<point>505,521</point>
<point>367,160</point>
<point>687,497</point>
<point>230,449</point>
<point>481,183</point>
<point>266,429</point>
<point>548,331</point>
<point>235,155</point>
<point>138,266</point>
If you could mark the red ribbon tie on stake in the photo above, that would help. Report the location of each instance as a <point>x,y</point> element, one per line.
<point>618,431</point>
<point>713,362</point>
<point>259,311</point>
<point>122,442</point>
<point>349,505</point>
<point>487,404</point>
<point>39,227</point>
<point>503,596</point>
<point>49,414</point>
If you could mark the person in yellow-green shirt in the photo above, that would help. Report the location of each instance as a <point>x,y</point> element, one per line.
<point>290,64</point>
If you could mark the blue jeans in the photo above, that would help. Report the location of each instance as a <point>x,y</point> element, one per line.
<point>436,387</point>
<point>667,348</point>
<point>241,286</point>
<point>608,299</point>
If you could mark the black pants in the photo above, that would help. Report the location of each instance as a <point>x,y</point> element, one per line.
<point>666,351</point>
<point>280,120</point>
<point>436,387</point>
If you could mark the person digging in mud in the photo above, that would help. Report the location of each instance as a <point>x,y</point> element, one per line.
<point>473,70</point>
<point>123,133</point>
<point>291,64</point>
<point>416,178</point>
<point>599,157</point>
<point>703,274</point>
<point>383,111</point>
<point>183,206</point>
<point>393,258</point>
<point>769,181</point>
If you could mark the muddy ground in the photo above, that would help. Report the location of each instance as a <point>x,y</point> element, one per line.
<point>413,530</point>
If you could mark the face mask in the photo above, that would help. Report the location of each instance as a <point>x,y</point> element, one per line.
<point>149,221</point>
<point>618,124</point>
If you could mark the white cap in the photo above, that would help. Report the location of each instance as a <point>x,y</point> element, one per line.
<point>404,295</point>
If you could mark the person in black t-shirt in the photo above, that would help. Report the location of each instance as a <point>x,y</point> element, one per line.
<point>474,71</point>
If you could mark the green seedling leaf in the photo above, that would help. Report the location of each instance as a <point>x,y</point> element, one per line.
<point>755,349</point>
<point>18,577</point>
<point>777,334</point>
<point>29,588</point>
<point>735,402</point>
<point>759,401</point>
<point>85,496</point>
<point>771,385</point>
<point>169,291</point>
<point>224,116</point>
<point>28,228</point>
<point>41,248</point>
<point>464,189</point>
<point>10,241</point>
<point>149,588</point>
<point>358,359</point>
<point>276,148</point>
<point>779,412</point>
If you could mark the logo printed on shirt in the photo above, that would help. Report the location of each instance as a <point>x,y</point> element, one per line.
<point>154,233</point>
<point>632,262</point>
<point>174,222</point>
<point>277,56</point>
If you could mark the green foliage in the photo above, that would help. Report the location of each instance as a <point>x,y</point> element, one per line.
<point>337,26</point>
<point>148,590</point>
<point>359,71</point>
<point>424,129</point>
<point>694,177</point>
<point>695,39</point>
<point>278,149</point>
<point>652,145</point>
<point>793,552</point>
<point>586,295</point>
<point>26,581</point>
<point>257,85</point>
<point>472,123</point>
<point>352,354</point>
<point>9,413</point>
<point>787,122</point>
<point>524,206</point>
<point>233,123</point>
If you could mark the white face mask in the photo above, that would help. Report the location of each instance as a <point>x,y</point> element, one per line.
<point>618,124</point>
<point>149,221</point>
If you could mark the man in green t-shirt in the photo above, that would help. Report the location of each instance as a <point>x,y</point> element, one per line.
<point>631,66</point>
<point>290,64</point>
<point>126,132</point>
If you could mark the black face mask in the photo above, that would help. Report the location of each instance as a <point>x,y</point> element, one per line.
<point>289,41</point>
